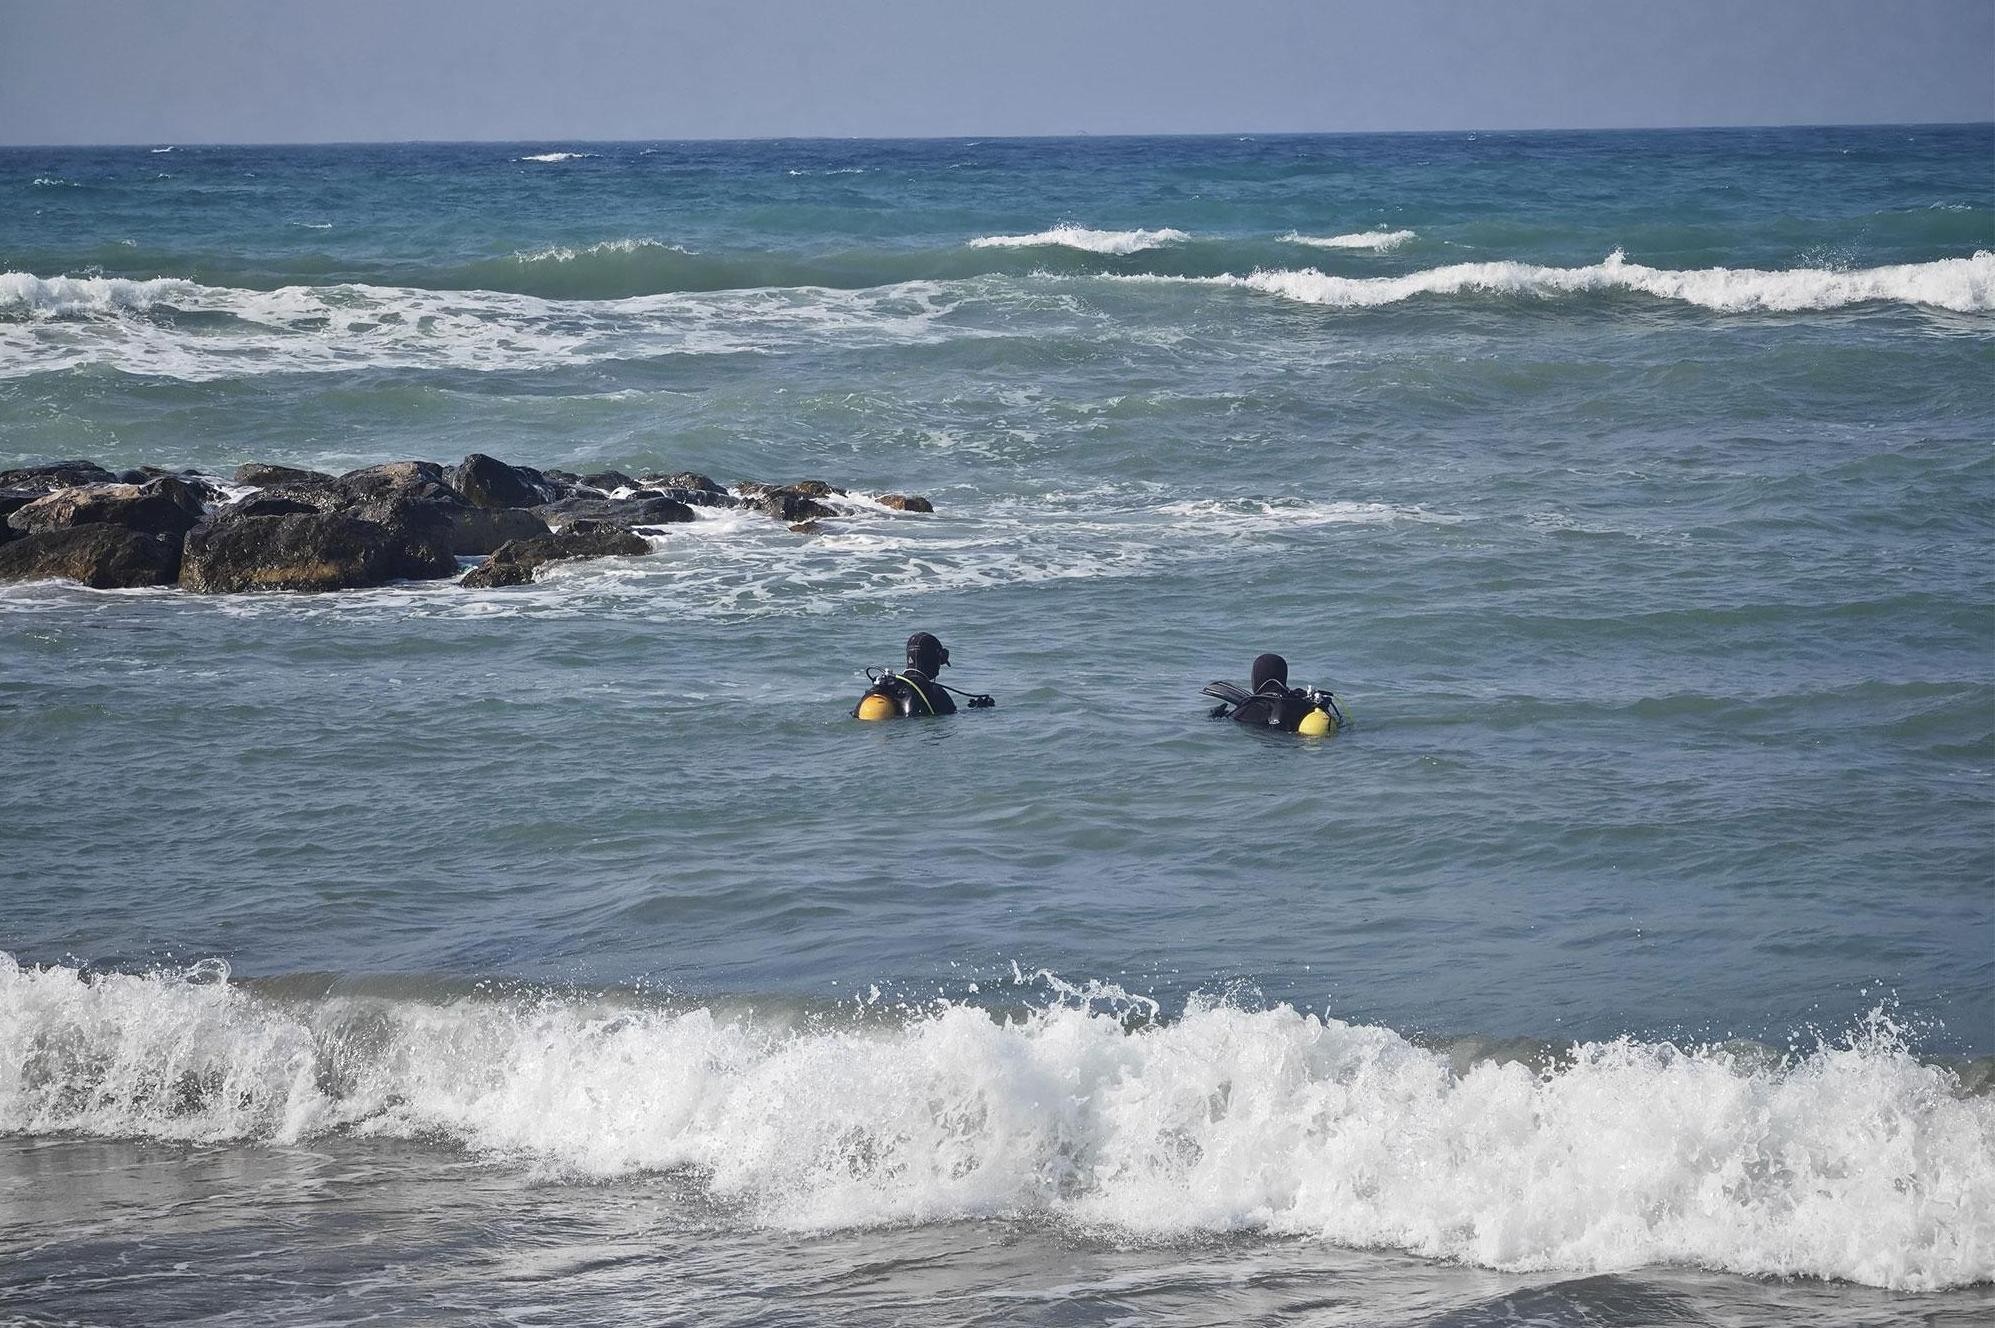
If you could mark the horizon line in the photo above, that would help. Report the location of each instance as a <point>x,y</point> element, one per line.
<point>1009,138</point>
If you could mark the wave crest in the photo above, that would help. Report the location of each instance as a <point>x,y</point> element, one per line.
<point>1854,1161</point>
<point>558,156</point>
<point>1378,241</point>
<point>1080,237</point>
<point>1960,285</point>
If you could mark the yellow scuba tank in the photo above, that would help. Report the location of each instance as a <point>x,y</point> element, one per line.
<point>1315,724</point>
<point>877,705</point>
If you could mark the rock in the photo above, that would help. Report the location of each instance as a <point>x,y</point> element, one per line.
<point>270,504</point>
<point>12,501</point>
<point>297,551</point>
<point>168,506</point>
<point>606,480</point>
<point>791,505</point>
<point>56,475</point>
<point>515,563</point>
<point>104,556</point>
<point>481,530</point>
<point>816,489</point>
<point>487,482</point>
<point>397,479</point>
<point>660,511</point>
<point>906,502</point>
<point>806,528</point>
<point>266,476</point>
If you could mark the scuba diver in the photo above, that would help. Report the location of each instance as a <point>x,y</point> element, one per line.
<point>1272,703</point>
<point>914,690</point>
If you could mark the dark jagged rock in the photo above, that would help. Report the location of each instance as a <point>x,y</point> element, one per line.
<point>396,479</point>
<point>906,502</point>
<point>792,505</point>
<point>270,504</point>
<point>606,480</point>
<point>660,511</point>
<point>689,486</point>
<point>56,475</point>
<point>481,530</point>
<point>816,489</point>
<point>515,563</point>
<point>13,500</point>
<point>488,482</point>
<point>168,506</point>
<point>104,556</point>
<point>303,551</point>
<point>264,475</point>
<point>806,528</point>
<point>201,486</point>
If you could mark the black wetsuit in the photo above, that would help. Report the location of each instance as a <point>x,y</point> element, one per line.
<point>918,695</point>
<point>1274,707</point>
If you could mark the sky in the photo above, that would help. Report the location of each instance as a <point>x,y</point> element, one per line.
<point>283,71</point>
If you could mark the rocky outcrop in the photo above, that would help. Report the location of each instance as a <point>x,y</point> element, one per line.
<point>106,557</point>
<point>655,511</point>
<point>264,475</point>
<point>689,486</point>
<point>56,475</point>
<point>306,530</point>
<point>515,563</point>
<point>487,482</point>
<point>304,551</point>
<point>168,506</point>
<point>792,505</point>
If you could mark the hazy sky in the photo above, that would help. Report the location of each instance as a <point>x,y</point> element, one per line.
<point>125,71</point>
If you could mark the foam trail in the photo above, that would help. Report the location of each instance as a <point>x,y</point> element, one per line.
<point>1961,285</point>
<point>1854,1161</point>
<point>557,156</point>
<point>1079,237</point>
<point>1378,241</point>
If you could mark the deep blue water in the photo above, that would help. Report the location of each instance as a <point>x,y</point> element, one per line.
<point>1636,490</point>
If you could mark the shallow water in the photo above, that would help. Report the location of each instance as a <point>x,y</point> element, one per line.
<point>583,959</point>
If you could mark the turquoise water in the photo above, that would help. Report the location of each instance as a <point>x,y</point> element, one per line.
<point>1635,489</point>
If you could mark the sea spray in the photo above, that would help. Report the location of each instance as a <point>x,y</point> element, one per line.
<point>1853,1160</point>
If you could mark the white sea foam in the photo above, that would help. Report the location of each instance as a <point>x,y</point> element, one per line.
<point>1378,241</point>
<point>1854,1161</point>
<point>55,182</point>
<point>1079,237</point>
<point>1961,285</point>
<point>50,323</point>
<point>557,156</point>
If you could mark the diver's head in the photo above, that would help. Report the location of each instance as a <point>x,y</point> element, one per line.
<point>926,655</point>
<point>1270,669</point>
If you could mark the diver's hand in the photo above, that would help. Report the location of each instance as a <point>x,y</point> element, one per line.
<point>982,701</point>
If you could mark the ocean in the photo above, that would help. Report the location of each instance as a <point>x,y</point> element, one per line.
<point>567,954</point>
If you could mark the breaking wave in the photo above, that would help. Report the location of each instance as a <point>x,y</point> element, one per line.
<point>565,254</point>
<point>178,328</point>
<point>1961,285</point>
<point>1079,237</point>
<point>1852,1161</point>
<point>1378,241</point>
<point>558,156</point>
